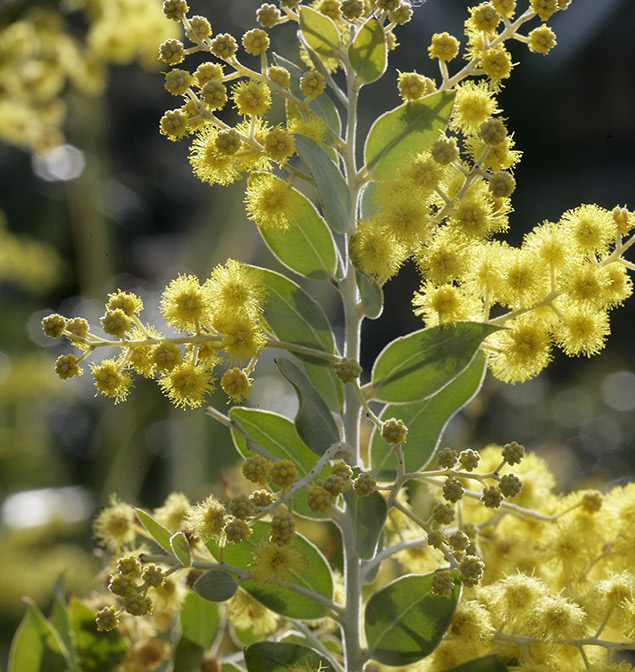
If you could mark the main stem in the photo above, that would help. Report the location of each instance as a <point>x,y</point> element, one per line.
<point>351,622</point>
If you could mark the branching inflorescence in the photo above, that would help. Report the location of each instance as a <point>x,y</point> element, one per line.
<point>544,580</point>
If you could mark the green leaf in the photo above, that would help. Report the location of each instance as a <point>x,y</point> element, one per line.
<point>332,189</point>
<point>418,365</point>
<point>188,655</point>
<point>159,533</point>
<point>399,135</point>
<point>328,385</point>
<point>321,105</point>
<point>319,32</point>
<point>314,421</point>
<point>306,246</point>
<point>37,646</point>
<point>405,620</point>
<point>279,437</point>
<point>96,651</point>
<point>312,573</point>
<point>491,663</point>
<point>283,656</point>
<point>426,421</point>
<point>371,295</point>
<point>58,618</point>
<point>199,620</point>
<point>368,53</point>
<point>368,515</point>
<point>181,549</point>
<point>228,667</point>
<point>293,316</point>
<point>216,585</point>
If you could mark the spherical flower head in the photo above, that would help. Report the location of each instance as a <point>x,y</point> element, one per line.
<point>444,46</point>
<point>591,501</point>
<point>484,18</point>
<point>279,76</point>
<point>446,457</point>
<point>208,72</point>
<point>278,144</point>
<point>256,469</point>
<point>175,9</point>
<point>256,41</point>
<point>334,484</point>
<point>116,322</point>
<point>251,97</point>
<point>469,459</point>
<point>445,304</point>
<point>471,570</point>
<point>152,576</point>
<point>452,489</point>
<point>138,605</point>
<point>241,507</point>
<point>318,499</point>
<point>173,124</point>
<point>442,513</point>
<point>244,337</point>
<point>442,582</point>
<point>342,470</point>
<point>541,40</point>
<point>268,15</point>
<point>129,565</point>
<point>459,541</point>
<point>166,356</point>
<point>114,526</point>
<point>558,617</point>
<point>394,431</point>
<point>624,220</point>
<point>123,585</point>
<point>330,8</point>
<point>200,28</point>
<point>208,162</point>
<point>376,251</point>
<point>261,498</point>
<point>504,7</point>
<point>444,151</point>
<point>66,366</point>
<point>282,529</point>
<point>591,228</point>
<point>501,184</point>
<point>223,46</point>
<point>213,95</point>
<point>187,385</point>
<point>436,538</point>
<point>53,325</point>
<point>510,485</point>
<point>347,369</point>
<point>184,304</point>
<point>110,380</point>
<point>269,202</point>
<point>513,453</point>
<point>413,86</point>
<point>401,14</point>
<point>276,564</point>
<point>130,303</point>
<point>178,81</point>
<point>236,384</point>
<point>77,326</point>
<point>583,330</point>
<point>312,84</point>
<point>173,512</point>
<point>492,131</point>
<point>206,519</point>
<point>172,52</point>
<point>474,104</point>
<point>492,497</point>
<point>544,8</point>
<point>496,63</point>
<point>107,619</point>
<point>352,9</point>
<point>237,531</point>
<point>283,473</point>
<point>365,484</point>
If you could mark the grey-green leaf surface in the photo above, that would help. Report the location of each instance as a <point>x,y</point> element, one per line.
<point>306,246</point>
<point>199,619</point>
<point>368,515</point>
<point>314,421</point>
<point>426,421</point>
<point>400,134</point>
<point>492,663</point>
<point>368,52</point>
<point>405,620</point>
<point>371,295</point>
<point>332,189</point>
<point>216,585</point>
<point>312,573</point>
<point>418,365</point>
<point>157,531</point>
<point>181,549</point>
<point>284,656</point>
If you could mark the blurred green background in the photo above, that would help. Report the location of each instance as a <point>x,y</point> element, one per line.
<point>118,207</point>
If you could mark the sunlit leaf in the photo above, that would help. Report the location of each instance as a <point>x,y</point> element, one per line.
<point>371,295</point>
<point>181,549</point>
<point>200,619</point>
<point>319,31</point>
<point>284,656</point>
<point>368,53</point>
<point>157,531</point>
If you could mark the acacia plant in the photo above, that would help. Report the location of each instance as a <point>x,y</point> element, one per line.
<point>486,568</point>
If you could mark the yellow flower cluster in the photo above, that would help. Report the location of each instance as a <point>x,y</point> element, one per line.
<point>221,320</point>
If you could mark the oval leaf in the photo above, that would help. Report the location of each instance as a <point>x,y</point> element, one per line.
<point>368,53</point>
<point>319,32</point>
<point>426,421</point>
<point>371,295</point>
<point>332,189</point>
<point>312,573</point>
<point>284,656</point>
<point>327,383</point>
<point>418,365</point>
<point>188,655</point>
<point>279,437</point>
<point>405,620</point>
<point>399,135</point>
<point>199,620</point>
<point>216,585</point>
<point>368,515</point>
<point>314,421</point>
<point>181,549</point>
<point>293,316</point>
<point>159,533</point>
<point>306,246</point>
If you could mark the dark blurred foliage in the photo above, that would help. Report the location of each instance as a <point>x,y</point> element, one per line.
<point>136,217</point>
